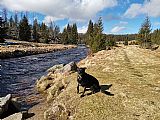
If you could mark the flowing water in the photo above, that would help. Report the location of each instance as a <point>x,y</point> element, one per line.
<point>18,75</point>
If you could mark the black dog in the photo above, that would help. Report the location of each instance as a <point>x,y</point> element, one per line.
<point>87,81</point>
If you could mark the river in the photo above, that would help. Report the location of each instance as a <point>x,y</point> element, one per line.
<point>18,75</point>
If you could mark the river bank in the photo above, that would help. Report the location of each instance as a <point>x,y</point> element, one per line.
<point>128,72</point>
<point>21,48</point>
<point>18,75</point>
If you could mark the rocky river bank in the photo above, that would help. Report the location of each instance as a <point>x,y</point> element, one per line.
<point>18,75</point>
<point>130,73</point>
<point>13,49</point>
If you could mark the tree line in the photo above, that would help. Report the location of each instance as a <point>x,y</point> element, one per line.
<point>22,30</point>
<point>94,37</point>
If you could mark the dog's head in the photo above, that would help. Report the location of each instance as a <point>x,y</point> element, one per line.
<point>81,71</point>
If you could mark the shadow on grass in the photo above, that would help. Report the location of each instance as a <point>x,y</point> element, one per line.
<point>104,89</point>
<point>28,115</point>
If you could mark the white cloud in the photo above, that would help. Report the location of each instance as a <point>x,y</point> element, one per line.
<point>59,9</point>
<point>83,29</point>
<point>123,23</point>
<point>157,23</point>
<point>117,29</point>
<point>49,19</point>
<point>149,7</point>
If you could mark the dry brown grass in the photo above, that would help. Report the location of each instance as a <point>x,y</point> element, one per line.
<point>135,77</point>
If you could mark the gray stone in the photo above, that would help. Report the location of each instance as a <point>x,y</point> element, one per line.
<point>4,101</point>
<point>16,116</point>
<point>70,67</point>
<point>67,68</point>
<point>43,84</point>
<point>55,67</point>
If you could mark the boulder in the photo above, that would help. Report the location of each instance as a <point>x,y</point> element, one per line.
<point>8,106</point>
<point>56,112</point>
<point>44,83</point>
<point>4,102</point>
<point>16,116</point>
<point>55,67</point>
<point>67,68</point>
<point>55,90</point>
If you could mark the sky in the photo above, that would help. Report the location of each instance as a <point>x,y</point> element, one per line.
<point>119,16</point>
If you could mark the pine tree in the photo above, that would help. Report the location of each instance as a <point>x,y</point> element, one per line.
<point>10,27</point>
<point>89,34</point>
<point>15,29</point>
<point>100,25</point>
<point>156,36</point>
<point>74,34</point>
<point>65,36</point>
<point>144,35</point>
<point>35,31</point>
<point>24,30</point>
<point>3,30</point>
<point>69,31</point>
<point>98,37</point>
<point>56,30</point>
<point>5,15</point>
<point>44,33</point>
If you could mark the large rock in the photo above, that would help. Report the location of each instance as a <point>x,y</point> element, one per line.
<point>4,102</point>
<point>44,83</point>
<point>56,112</point>
<point>55,67</point>
<point>16,116</point>
<point>67,68</point>
<point>55,90</point>
<point>9,106</point>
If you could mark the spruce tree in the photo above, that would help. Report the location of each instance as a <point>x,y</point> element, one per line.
<point>156,36</point>
<point>24,30</point>
<point>74,34</point>
<point>44,33</point>
<point>35,31</point>
<point>98,37</point>
<point>69,31</point>
<point>65,36</point>
<point>16,26</point>
<point>89,34</point>
<point>144,35</point>
<point>3,30</point>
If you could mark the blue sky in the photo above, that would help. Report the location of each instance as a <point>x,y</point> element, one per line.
<point>119,16</point>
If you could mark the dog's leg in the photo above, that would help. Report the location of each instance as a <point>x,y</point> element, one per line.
<point>78,88</point>
<point>83,92</point>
